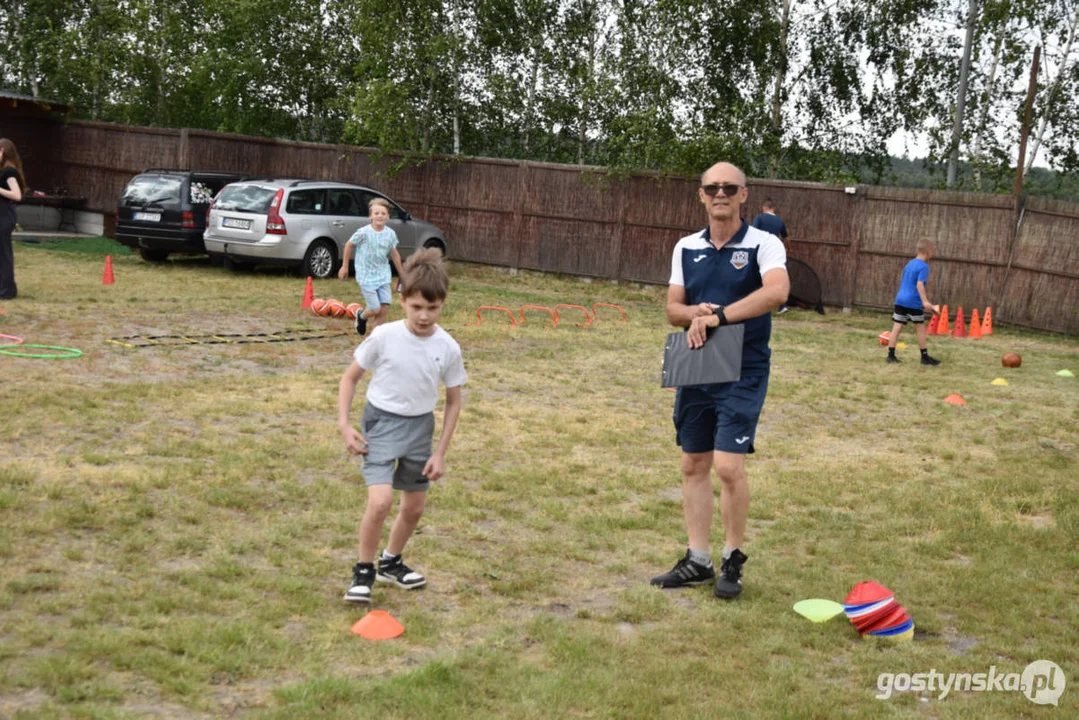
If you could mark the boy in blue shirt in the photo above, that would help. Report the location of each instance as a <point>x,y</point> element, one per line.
<point>912,303</point>
<point>376,247</point>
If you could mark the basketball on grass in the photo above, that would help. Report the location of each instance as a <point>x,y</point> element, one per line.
<point>318,306</point>
<point>335,308</point>
<point>1011,360</point>
<point>351,309</point>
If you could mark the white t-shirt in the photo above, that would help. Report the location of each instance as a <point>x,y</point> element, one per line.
<point>407,368</point>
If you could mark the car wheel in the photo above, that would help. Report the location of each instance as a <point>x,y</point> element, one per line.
<point>436,243</point>
<point>320,261</point>
<point>153,255</point>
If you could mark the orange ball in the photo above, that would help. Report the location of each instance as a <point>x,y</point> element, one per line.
<point>335,308</point>
<point>318,306</point>
<point>351,309</point>
<point>1011,360</point>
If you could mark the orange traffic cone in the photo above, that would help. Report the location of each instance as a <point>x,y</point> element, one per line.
<point>378,625</point>
<point>954,399</point>
<point>308,295</point>
<point>975,325</point>
<point>942,327</point>
<point>960,328</point>
<point>987,322</point>
<point>932,329</point>
<point>107,278</point>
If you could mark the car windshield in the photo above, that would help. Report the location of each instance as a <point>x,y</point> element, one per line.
<point>152,189</point>
<point>246,198</point>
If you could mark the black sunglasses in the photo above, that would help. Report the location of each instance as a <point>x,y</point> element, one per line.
<point>728,189</point>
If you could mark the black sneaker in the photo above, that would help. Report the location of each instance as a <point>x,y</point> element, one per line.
<point>927,360</point>
<point>892,359</point>
<point>729,582</point>
<point>393,570</point>
<point>361,324</point>
<point>685,573</point>
<point>363,577</point>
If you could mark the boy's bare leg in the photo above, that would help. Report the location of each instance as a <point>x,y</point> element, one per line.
<point>378,317</point>
<point>698,500</point>
<point>896,329</point>
<point>379,502</point>
<point>408,517</point>
<point>921,331</point>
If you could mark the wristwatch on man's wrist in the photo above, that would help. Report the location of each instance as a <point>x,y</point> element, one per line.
<point>718,310</point>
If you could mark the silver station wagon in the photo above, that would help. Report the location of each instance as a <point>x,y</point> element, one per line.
<point>302,222</point>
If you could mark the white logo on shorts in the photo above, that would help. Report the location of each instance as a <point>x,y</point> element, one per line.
<point>742,440</point>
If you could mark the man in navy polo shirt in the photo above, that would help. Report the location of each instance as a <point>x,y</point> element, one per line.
<point>729,273</point>
<point>769,222</point>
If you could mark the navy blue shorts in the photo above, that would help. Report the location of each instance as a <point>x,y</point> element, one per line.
<point>719,417</point>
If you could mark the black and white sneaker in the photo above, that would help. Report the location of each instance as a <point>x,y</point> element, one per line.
<point>685,573</point>
<point>927,360</point>
<point>729,582</point>
<point>363,577</point>
<point>361,324</point>
<point>393,570</point>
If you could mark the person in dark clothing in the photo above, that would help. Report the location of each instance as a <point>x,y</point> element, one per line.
<point>12,185</point>
<point>769,222</point>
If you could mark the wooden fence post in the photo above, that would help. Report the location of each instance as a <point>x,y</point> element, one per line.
<point>619,230</point>
<point>518,213</point>
<point>183,155</point>
<point>854,235</point>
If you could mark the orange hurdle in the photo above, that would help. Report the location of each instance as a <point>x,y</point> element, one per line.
<point>479,317</point>
<point>554,315</point>
<point>616,307</point>
<point>587,317</point>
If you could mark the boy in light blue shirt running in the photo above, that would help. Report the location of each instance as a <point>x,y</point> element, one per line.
<point>376,247</point>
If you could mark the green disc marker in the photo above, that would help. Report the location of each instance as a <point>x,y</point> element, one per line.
<point>818,610</point>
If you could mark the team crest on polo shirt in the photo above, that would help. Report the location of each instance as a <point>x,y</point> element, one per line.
<point>740,259</point>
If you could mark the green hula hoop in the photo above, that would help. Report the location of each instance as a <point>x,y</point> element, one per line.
<point>68,352</point>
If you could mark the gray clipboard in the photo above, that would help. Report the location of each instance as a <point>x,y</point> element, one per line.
<point>718,361</point>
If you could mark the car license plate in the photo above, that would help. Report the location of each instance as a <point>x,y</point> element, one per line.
<point>237,223</point>
<point>148,216</point>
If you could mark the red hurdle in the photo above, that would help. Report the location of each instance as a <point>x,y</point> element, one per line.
<point>587,317</point>
<point>481,308</point>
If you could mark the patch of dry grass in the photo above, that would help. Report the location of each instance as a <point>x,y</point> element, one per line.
<point>177,524</point>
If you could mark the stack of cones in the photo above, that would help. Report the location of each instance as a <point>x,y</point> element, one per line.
<point>107,278</point>
<point>873,611</point>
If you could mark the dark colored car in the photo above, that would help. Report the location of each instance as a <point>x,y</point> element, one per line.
<point>163,211</point>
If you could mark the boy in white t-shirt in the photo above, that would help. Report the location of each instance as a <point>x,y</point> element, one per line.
<point>408,359</point>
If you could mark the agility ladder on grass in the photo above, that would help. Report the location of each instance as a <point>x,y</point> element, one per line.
<point>141,341</point>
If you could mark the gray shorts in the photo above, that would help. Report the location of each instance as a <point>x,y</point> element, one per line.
<point>398,447</point>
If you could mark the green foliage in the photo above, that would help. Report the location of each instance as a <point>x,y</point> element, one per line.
<point>795,89</point>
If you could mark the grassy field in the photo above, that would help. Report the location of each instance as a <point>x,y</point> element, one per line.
<point>177,524</point>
